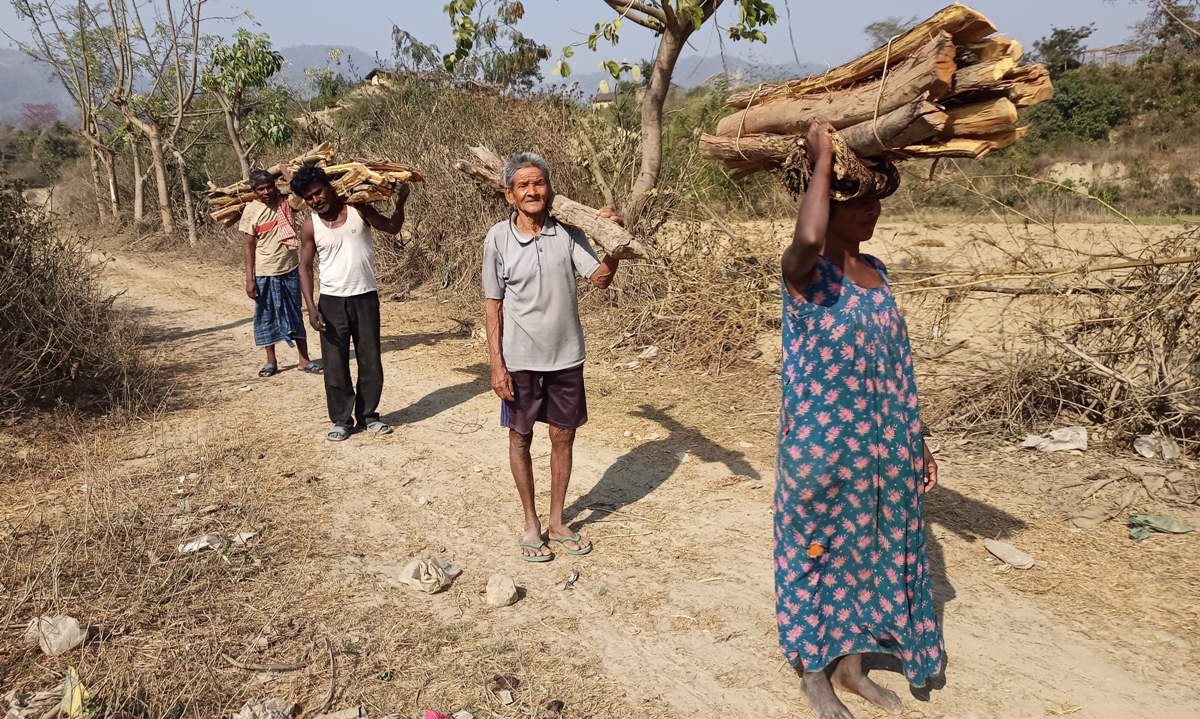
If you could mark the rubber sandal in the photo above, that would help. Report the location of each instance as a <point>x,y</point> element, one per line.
<point>533,557</point>
<point>268,370</point>
<point>379,427</point>
<point>314,368</point>
<point>338,433</point>
<point>576,540</point>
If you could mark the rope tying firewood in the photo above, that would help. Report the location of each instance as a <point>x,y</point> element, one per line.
<point>853,177</point>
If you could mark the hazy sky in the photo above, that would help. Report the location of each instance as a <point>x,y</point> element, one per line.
<point>826,31</point>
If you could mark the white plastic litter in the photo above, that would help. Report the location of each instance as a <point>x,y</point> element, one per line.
<point>1062,439</point>
<point>649,353</point>
<point>55,635</point>
<point>1009,554</point>
<point>199,544</point>
<point>1155,445</point>
<point>267,709</point>
<point>429,575</point>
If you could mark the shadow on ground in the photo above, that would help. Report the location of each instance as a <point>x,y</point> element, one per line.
<point>972,521</point>
<point>642,470</point>
<point>445,398</point>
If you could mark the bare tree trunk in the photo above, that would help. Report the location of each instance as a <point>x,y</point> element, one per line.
<point>96,183</point>
<point>670,45</point>
<point>110,170</point>
<point>139,184</point>
<point>234,127</point>
<point>158,157</point>
<point>188,207</point>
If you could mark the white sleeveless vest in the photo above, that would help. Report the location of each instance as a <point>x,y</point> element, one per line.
<point>347,255</point>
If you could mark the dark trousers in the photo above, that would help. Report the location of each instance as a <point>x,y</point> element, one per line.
<point>351,319</point>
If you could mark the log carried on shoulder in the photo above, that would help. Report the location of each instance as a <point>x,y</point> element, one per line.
<point>611,237</point>
<point>356,181</point>
<point>942,89</point>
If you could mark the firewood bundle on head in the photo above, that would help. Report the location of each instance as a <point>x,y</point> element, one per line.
<point>355,181</point>
<point>943,89</point>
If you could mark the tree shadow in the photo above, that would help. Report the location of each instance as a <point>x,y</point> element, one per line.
<point>972,521</point>
<point>445,398</point>
<point>164,335</point>
<point>642,470</point>
<point>398,343</point>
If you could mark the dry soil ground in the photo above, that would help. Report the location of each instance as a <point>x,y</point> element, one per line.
<point>673,611</point>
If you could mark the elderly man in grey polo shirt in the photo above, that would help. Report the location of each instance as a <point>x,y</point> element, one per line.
<point>535,340</point>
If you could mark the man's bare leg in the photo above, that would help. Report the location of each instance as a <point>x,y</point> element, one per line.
<point>849,677</point>
<point>302,348</point>
<point>562,446</point>
<point>522,469</point>
<point>271,356</point>
<point>820,695</point>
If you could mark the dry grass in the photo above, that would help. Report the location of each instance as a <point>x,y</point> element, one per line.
<point>90,529</point>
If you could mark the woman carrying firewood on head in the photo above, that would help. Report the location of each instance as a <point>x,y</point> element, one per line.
<point>851,570</point>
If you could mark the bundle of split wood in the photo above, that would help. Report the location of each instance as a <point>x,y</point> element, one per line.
<point>611,237</point>
<point>355,181</point>
<point>943,89</point>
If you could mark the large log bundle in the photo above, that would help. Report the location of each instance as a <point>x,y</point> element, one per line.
<point>943,89</point>
<point>354,181</point>
<point>611,237</point>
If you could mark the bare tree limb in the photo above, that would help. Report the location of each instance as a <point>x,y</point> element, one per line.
<point>648,17</point>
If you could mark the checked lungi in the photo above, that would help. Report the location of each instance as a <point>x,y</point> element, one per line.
<point>278,312</point>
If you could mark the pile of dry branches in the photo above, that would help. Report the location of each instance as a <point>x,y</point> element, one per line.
<point>943,89</point>
<point>60,337</point>
<point>355,181</point>
<point>1118,350</point>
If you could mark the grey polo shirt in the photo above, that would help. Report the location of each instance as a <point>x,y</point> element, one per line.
<point>535,278</point>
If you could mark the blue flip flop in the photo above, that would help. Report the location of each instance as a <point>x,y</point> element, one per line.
<point>268,370</point>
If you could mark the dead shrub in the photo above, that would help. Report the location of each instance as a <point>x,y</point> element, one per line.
<point>61,339</point>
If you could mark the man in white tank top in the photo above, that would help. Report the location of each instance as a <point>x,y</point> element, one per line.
<point>339,236</point>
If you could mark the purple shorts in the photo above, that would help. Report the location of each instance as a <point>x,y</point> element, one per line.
<point>556,398</point>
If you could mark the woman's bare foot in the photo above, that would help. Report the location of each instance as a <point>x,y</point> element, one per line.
<point>821,697</point>
<point>849,677</point>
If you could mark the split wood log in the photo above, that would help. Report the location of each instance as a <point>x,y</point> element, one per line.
<point>929,72</point>
<point>980,118</point>
<point>990,50</point>
<point>908,125</point>
<point>1028,86</point>
<point>965,25</point>
<point>611,237</point>
<point>982,75</point>
<point>968,147</point>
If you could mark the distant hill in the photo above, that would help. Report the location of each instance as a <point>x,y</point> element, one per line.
<point>24,81</point>
<point>353,63</point>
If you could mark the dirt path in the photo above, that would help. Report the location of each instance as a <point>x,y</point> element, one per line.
<point>676,604</point>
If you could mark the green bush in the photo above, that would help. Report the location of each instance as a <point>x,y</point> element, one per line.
<point>1081,109</point>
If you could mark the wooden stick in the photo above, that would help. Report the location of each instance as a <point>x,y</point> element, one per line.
<point>261,667</point>
<point>959,21</point>
<point>983,75</point>
<point>928,73</point>
<point>992,49</point>
<point>979,118</point>
<point>611,237</point>
<point>905,126</point>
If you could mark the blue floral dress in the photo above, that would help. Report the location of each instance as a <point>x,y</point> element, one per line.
<point>851,569</point>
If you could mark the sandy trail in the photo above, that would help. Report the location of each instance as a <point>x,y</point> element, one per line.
<point>676,603</point>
